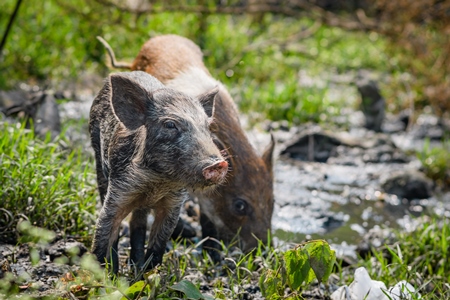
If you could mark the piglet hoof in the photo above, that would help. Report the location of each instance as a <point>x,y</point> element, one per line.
<point>216,173</point>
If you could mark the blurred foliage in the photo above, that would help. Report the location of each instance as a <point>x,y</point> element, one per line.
<point>46,43</point>
<point>258,56</point>
<point>419,43</point>
<point>259,59</point>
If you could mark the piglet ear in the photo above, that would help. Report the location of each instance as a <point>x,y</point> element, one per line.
<point>267,156</point>
<point>207,101</point>
<point>129,101</point>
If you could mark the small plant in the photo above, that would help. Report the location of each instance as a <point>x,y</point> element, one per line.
<point>436,162</point>
<point>308,261</point>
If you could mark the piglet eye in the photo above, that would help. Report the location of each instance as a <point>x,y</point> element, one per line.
<point>170,125</point>
<point>240,207</point>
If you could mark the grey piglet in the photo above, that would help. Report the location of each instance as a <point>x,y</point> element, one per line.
<point>151,144</point>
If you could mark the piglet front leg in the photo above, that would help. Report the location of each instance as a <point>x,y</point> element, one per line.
<point>166,217</point>
<point>107,228</point>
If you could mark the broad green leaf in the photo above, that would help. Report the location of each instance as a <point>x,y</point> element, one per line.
<point>297,267</point>
<point>321,258</point>
<point>271,285</point>
<point>189,289</point>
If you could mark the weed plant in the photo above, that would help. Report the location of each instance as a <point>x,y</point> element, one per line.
<point>436,162</point>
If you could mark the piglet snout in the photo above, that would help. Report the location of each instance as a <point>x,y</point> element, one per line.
<point>216,173</point>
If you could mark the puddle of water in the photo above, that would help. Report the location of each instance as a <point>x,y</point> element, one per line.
<point>339,203</point>
<point>337,222</point>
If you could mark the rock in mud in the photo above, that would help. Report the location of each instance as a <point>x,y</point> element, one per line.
<point>408,184</point>
<point>10,98</point>
<point>38,106</point>
<point>46,119</point>
<point>314,144</point>
<point>67,248</point>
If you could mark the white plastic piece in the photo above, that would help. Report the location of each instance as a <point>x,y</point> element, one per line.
<point>363,287</point>
<point>403,291</point>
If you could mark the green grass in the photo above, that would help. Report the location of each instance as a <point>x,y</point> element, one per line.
<point>420,257</point>
<point>44,182</point>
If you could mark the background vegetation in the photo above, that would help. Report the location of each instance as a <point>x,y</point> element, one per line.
<point>260,55</point>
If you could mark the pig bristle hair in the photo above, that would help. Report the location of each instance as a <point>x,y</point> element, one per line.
<point>138,155</point>
<point>213,190</point>
<point>225,154</point>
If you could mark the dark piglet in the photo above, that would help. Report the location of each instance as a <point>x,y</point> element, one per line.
<point>151,144</point>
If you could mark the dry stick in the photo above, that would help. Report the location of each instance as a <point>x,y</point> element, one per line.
<point>264,8</point>
<point>293,8</point>
<point>114,62</point>
<point>9,26</point>
<point>311,146</point>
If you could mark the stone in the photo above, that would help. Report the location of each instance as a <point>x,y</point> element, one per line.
<point>408,184</point>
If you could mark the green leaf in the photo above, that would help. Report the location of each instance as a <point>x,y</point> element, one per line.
<point>133,291</point>
<point>321,258</point>
<point>189,289</point>
<point>297,267</point>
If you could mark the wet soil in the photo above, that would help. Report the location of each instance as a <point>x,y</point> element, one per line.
<point>352,183</point>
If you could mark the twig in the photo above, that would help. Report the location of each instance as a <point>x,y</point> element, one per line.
<point>293,8</point>
<point>9,26</point>
<point>282,43</point>
<point>114,62</point>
